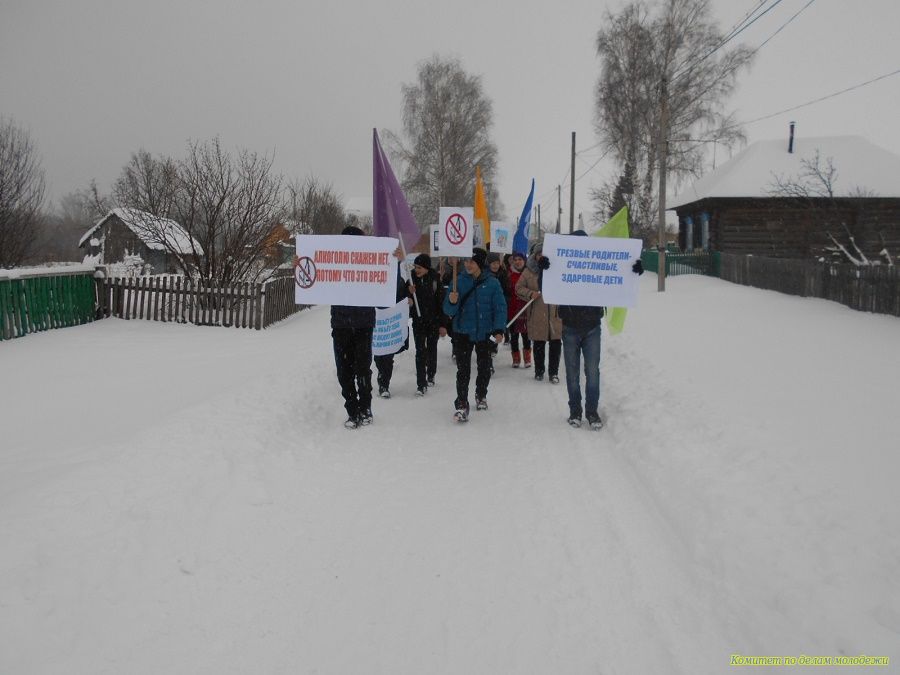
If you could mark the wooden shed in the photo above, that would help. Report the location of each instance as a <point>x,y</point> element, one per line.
<point>130,232</point>
<point>769,201</point>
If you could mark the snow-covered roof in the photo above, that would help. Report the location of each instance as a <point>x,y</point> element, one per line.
<point>87,234</point>
<point>159,234</point>
<point>752,173</point>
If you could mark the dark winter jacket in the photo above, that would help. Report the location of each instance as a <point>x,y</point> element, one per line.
<point>430,294</point>
<point>580,318</point>
<point>482,312</point>
<point>344,317</point>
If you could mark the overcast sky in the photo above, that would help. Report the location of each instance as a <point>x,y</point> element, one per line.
<point>95,80</point>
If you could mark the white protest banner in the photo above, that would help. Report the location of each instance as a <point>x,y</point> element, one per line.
<point>391,329</point>
<point>456,227</point>
<point>501,237</point>
<point>334,269</point>
<point>435,239</point>
<point>594,271</point>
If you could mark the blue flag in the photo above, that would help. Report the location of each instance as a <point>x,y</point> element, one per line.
<point>520,241</point>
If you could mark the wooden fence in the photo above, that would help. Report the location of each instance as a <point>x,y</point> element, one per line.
<point>178,299</point>
<point>36,302</point>
<point>869,289</point>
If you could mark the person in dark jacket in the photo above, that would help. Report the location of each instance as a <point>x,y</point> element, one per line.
<point>384,363</point>
<point>581,337</point>
<point>351,334</point>
<point>478,310</point>
<point>426,287</point>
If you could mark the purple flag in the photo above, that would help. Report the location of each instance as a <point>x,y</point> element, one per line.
<point>391,215</point>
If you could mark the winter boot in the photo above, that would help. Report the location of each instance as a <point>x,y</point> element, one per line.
<point>351,423</point>
<point>595,421</point>
<point>480,404</point>
<point>365,418</point>
<point>575,420</point>
<point>421,391</point>
<point>528,358</point>
<point>462,413</point>
<point>516,359</point>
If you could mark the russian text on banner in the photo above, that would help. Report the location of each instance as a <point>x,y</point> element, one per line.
<point>340,270</point>
<point>593,271</point>
<point>391,329</point>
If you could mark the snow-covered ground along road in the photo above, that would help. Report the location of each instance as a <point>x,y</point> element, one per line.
<point>176,499</point>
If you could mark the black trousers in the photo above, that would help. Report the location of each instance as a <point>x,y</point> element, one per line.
<point>385,366</point>
<point>462,348</point>
<point>353,358</point>
<point>555,351</point>
<point>514,341</point>
<point>426,339</point>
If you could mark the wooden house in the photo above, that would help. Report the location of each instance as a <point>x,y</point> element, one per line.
<point>125,232</point>
<point>797,198</point>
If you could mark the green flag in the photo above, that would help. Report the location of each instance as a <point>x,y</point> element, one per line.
<point>617,227</point>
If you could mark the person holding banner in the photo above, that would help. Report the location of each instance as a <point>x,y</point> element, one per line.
<point>426,287</point>
<point>544,324</point>
<point>581,337</point>
<point>351,333</point>
<point>478,310</point>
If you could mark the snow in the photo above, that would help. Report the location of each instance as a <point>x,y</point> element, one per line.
<point>151,230</point>
<point>51,269</point>
<point>214,516</point>
<point>752,173</point>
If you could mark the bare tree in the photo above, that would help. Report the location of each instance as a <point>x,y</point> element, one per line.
<point>447,120</point>
<point>64,226</point>
<point>672,50</point>
<point>148,183</point>
<point>813,189</point>
<point>21,194</point>
<point>315,208</point>
<point>229,205</point>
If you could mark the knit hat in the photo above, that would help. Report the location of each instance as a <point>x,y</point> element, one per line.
<point>423,260</point>
<point>479,257</point>
<point>537,248</point>
<point>492,258</point>
<point>580,233</point>
<point>351,229</point>
<point>519,254</point>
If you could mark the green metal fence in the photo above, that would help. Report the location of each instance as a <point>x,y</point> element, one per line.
<point>700,262</point>
<point>33,303</point>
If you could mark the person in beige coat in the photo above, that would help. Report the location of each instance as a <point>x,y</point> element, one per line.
<point>544,324</point>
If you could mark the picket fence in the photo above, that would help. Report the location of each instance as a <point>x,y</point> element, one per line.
<point>181,300</point>
<point>37,301</point>
<point>869,289</point>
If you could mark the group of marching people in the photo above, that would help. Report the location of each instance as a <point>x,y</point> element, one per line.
<point>487,297</point>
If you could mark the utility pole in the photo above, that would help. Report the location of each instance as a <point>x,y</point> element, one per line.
<point>663,153</point>
<point>559,207</point>
<point>572,190</point>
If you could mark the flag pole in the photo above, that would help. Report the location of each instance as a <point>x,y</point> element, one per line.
<point>410,273</point>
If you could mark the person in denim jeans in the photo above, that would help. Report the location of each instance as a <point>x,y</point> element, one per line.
<point>581,338</point>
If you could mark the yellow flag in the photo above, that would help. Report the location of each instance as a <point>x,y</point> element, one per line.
<point>616,227</point>
<point>481,211</point>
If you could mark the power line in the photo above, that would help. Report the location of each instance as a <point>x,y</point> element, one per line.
<point>686,68</point>
<point>803,105</point>
<point>818,100</point>
<point>782,27</point>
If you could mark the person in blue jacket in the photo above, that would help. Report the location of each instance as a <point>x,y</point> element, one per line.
<point>478,310</point>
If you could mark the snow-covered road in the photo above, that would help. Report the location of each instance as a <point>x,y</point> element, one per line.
<point>185,500</point>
